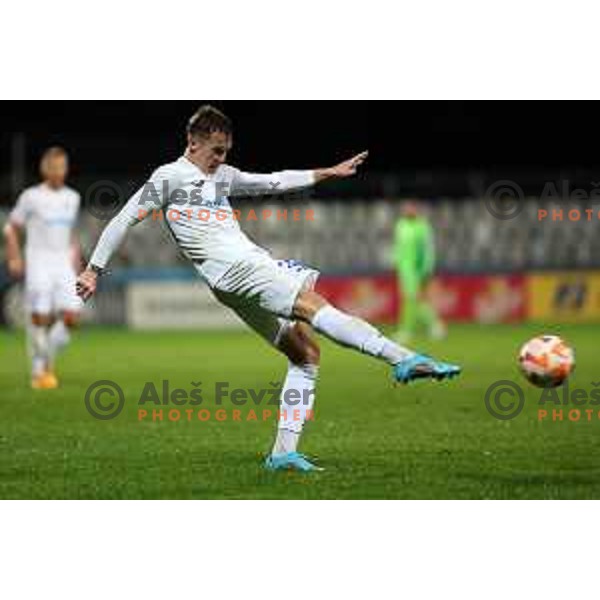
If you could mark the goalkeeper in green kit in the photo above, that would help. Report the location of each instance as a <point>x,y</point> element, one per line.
<point>414,258</point>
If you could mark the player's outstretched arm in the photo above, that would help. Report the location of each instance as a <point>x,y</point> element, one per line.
<point>134,211</point>
<point>111,239</point>
<point>273,183</point>
<point>344,169</point>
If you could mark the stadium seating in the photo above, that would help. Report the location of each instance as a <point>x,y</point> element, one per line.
<point>351,235</point>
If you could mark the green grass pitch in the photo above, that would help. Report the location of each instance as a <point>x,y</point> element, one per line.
<point>375,440</point>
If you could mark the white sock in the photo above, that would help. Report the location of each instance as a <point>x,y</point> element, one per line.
<point>39,343</point>
<point>356,333</point>
<point>295,408</point>
<point>58,338</point>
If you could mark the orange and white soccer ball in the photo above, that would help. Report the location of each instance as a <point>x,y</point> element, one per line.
<point>546,360</point>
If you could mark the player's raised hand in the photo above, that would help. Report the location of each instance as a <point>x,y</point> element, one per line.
<point>348,167</point>
<point>86,284</point>
<point>344,169</point>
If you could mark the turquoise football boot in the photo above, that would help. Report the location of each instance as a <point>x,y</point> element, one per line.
<point>421,366</point>
<point>292,461</point>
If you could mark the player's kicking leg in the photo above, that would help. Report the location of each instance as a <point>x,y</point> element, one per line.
<point>259,289</point>
<point>355,333</point>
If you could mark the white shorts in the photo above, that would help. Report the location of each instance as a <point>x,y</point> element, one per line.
<point>262,291</point>
<point>51,291</point>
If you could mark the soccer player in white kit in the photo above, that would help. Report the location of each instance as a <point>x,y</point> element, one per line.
<point>275,298</point>
<point>47,214</point>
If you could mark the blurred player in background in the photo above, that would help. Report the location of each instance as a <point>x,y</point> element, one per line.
<point>275,298</point>
<point>46,213</point>
<point>414,258</point>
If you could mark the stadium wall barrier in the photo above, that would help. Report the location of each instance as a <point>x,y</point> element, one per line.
<point>176,305</point>
<point>568,296</point>
<point>563,296</point>
<point>475,298</point>
<point>173,299</point>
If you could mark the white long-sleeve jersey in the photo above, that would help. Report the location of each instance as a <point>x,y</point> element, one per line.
<point>196,209</point>
<point>49,217</point>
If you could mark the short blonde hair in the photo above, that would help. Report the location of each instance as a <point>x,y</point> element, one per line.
<point>50,153</point>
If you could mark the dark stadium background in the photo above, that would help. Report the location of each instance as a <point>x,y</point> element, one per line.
<point>433,147</point>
